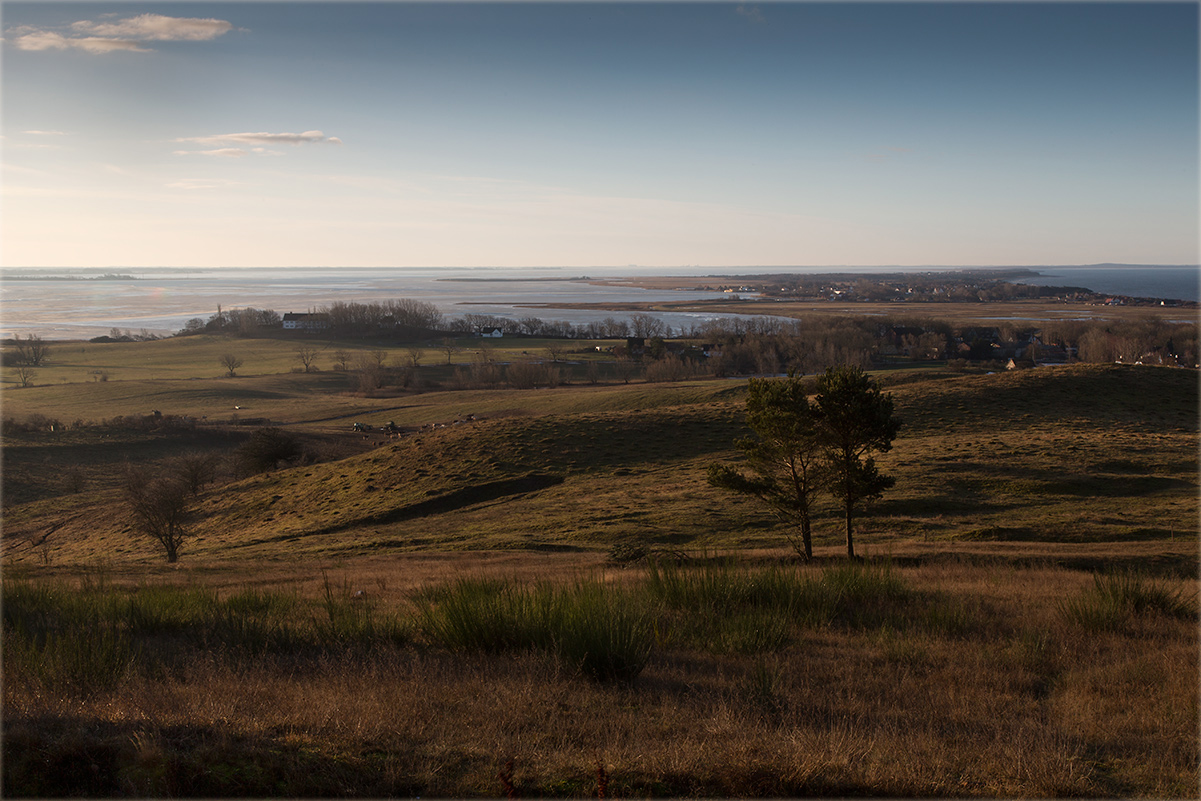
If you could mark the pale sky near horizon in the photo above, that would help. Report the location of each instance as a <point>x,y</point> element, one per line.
<point>598,134</point>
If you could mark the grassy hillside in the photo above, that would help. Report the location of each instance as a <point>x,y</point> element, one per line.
<point>416,616</point>
<point>1086,454</point>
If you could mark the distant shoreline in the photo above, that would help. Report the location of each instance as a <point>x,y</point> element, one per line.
<point>106,277</point>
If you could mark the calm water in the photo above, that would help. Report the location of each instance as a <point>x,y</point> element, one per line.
<point>1180,283</point>
<point>162,301</point>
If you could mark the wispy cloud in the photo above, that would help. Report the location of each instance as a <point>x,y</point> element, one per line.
<point>750,12</point>
<point>263,138</point>
<point>45,133</point>
<point>127,35</point>
<point>156,28</point>
<point>49,40</point>
<point>224,152</point>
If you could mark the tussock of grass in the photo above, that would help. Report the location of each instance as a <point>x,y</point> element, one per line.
<point>88,639</point>
<point>1117,599</point>
<point>603,631</point>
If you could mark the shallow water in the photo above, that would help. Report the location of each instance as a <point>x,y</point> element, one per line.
<point>162,301</point>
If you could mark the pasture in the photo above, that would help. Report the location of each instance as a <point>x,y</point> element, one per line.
<point>1024,622</point>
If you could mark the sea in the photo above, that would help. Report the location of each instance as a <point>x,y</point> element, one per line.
<point>160,301</point>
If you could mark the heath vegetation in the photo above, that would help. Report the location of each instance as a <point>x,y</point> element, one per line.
<point>441,568</point>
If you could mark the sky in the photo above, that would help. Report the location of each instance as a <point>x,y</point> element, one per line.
<point>598,134</point>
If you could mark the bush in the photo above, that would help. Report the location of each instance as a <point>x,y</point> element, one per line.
<point>266,448</point>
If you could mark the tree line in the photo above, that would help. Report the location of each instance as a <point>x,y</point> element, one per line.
<point>758,344</point>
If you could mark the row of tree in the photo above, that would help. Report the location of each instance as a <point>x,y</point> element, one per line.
<point>751,344</point>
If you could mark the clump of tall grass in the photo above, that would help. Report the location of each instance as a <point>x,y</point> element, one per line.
<point>85,639</point>
<point>605,632</point>
<point>64,641</point>
<point>348,619</point>
<point>727,607</point>
<point>1117,599</point>
<point>810,598</point>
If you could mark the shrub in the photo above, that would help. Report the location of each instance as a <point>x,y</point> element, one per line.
<point>266,448</point>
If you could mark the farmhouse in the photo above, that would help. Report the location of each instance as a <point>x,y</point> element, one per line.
<point>306,322</point>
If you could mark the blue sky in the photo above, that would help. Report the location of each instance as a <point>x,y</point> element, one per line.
<point>599,134</point>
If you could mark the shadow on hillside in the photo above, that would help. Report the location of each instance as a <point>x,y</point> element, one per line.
<point>453,501</point>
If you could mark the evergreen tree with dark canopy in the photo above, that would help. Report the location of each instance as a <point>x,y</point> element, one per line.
<point>783,455</point>
<point>853,419</point>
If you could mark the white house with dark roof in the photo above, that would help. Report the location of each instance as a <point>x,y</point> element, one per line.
<point>295,321</point>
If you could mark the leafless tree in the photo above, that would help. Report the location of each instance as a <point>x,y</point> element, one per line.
<point>624,366</point>
<point>342,360</point>
<point>231,363</point>
<point>646,326</point>
<point>307,354</point>
<point>450,348</point>
<point>196,469</point>
<point>31,351</point>
<point>159,507</point>
<point>25,375</point>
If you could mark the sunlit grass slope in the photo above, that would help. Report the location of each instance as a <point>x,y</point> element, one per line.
<point>1084,454</point>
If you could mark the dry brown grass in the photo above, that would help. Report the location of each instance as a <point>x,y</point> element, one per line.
<point>1023,704</point>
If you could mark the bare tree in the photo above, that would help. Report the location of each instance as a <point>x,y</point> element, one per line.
<point>646,326</point>
<point>342,360</point>
<point>231,363</point>
<point>25,375</point>
<point>624,366</point>
<point>160,508</point>
<point>450,348</point>
<point>307,354</point>
<point>31,351</point>
<point>370,373</point>
<point>196,469</point>
<point>414,356</point>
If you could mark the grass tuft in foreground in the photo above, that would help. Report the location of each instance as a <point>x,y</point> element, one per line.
<point>602,631</point>
<point>1117,600</point>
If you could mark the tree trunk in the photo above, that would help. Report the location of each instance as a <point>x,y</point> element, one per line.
<point>850,540</point>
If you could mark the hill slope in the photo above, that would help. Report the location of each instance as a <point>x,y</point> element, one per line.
<point>1080,454</point>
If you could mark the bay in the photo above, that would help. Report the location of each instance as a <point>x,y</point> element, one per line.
<point>161,301</point>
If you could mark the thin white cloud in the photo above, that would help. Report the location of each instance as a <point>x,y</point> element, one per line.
<point>156,28</point>
<point>124,35</point>
<point>49,40</point>
<point>46,133</point>
<point>263,138</point>
<point>224,152</point>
